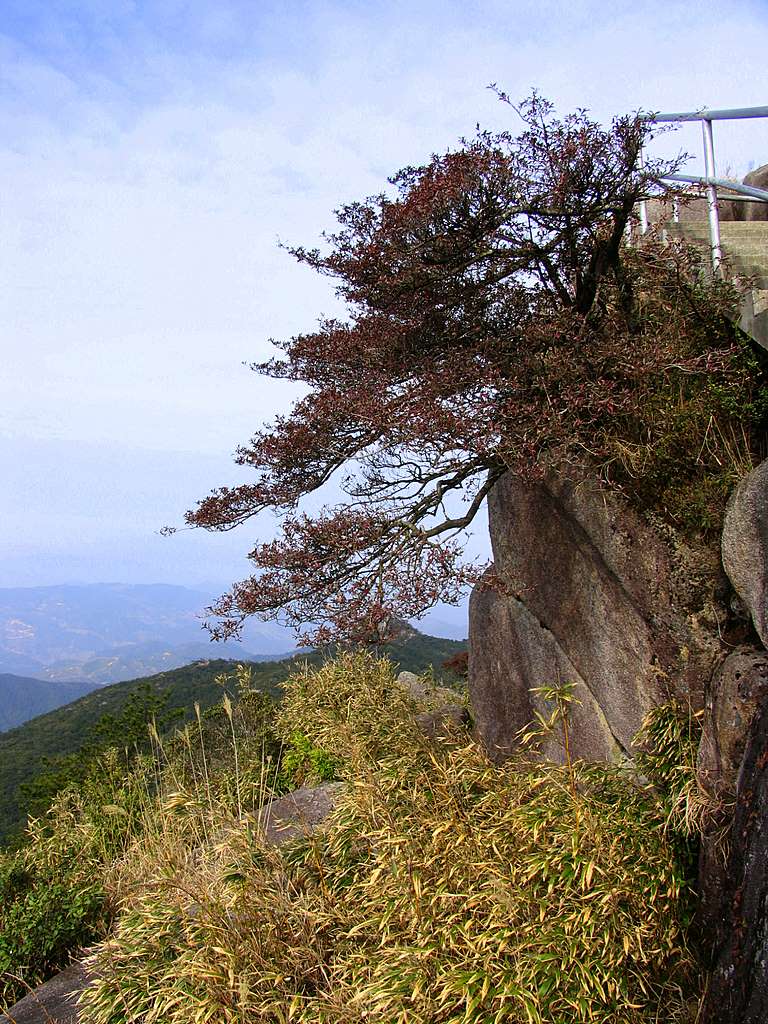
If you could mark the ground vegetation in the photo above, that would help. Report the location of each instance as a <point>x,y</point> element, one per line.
<point>443,888</point>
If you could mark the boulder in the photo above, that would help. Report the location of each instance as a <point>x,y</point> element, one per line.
<point>697,210</point>
<point>51,1003</point>
<point>422,690</point>
<point>445,717</point>
<point>757,179</point>
<point>589,594</point>
<point>745,545</point>
<point>730,210</point>
<point>738,990</point>
<point>298,813</point>
<point>691,210</point>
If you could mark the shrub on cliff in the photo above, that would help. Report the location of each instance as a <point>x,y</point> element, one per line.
<point>497,322</point>
<point>53,892</point>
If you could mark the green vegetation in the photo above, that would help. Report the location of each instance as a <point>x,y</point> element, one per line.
<point>668,746</point>
<point>305,764</point>
<point>127,734</point>
<point>37,747</point>
<point>53,889</point>
<point>442,889</point>
<point>22,697</point>
<point>28,751</point>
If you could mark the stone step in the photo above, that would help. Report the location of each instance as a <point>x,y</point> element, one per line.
<point>748,256</point>
<point>736,243</point>
<point>736,227</point>
<point>751,232</point>
<point>755,248</point>
<point>745,245</point>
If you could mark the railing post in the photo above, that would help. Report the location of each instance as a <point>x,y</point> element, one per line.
<point>714,212</point>
<point>643,203</point>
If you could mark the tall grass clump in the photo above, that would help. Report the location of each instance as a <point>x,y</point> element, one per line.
<point>443,889</point>
<point>353,712</point>
<point>122,817</point>
<point>667,749</point>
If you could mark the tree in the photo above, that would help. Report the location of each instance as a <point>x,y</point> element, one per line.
<point>496,321</point>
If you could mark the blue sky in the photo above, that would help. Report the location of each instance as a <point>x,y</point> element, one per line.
<point>153,153</point>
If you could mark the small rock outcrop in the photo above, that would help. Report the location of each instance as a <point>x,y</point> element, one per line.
<point>446,716</point>
<point>745,545</point>
<point>593,596</point>
<point>51,1003</point>
<point>298,813</point>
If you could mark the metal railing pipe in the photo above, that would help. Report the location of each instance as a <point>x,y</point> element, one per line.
<point>758,194</point>
<point>712,197</point>
<point>714,211</point>
<point>643,203</point>
<point>710,181</point>
<point>734,114</point>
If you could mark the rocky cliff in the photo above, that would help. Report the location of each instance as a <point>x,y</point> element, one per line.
<point>590,594</point>
<point>586,591</point>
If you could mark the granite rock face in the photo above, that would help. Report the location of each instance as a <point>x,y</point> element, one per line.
<point>738,991</point>
<point>739,689</point>
<point>512,652</point>
<point>593,596</point>
<point>745,545</point>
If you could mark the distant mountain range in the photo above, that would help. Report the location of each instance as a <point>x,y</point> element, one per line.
<point>107,632</point>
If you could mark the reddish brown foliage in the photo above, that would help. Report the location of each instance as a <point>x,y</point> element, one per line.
<point>458,664</point>
<point>495,319</point>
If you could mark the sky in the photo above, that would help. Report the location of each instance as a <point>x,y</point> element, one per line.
<point>153,155</point>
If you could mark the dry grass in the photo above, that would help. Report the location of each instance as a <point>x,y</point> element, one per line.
<point>444,890</point>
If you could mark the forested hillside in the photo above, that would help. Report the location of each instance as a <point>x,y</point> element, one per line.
<point>22,697</point>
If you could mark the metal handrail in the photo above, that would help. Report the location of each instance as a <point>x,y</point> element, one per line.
<point>709,180</point>
<point>759,195</point>
<point>734,114</point>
